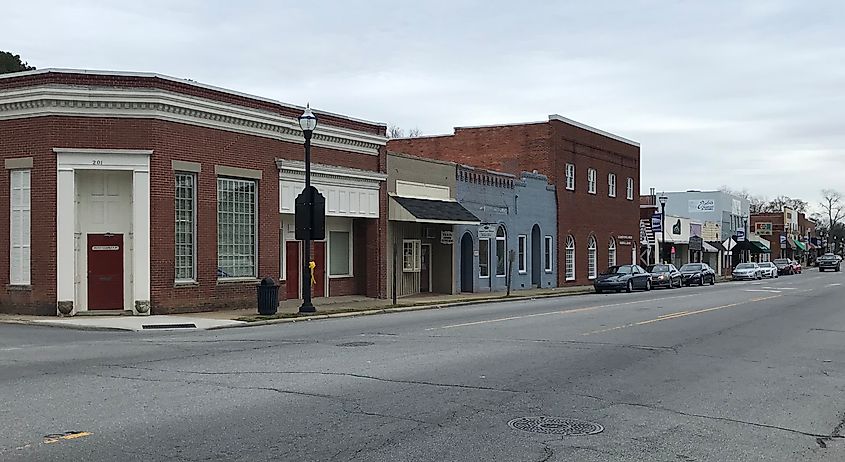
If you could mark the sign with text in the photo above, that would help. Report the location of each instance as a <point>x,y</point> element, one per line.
<point>702,205</point>
<point>763,229</point>
<point>447,237</point>
<point>696,243</point>
<point>782,240</point>
<point>657,223</point>
<point>740,235</point>
<point>487,231</point>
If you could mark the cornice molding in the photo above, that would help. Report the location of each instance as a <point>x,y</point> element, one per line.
<point>164,105</point>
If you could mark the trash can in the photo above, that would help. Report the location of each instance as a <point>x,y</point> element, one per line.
<point>268,296</point>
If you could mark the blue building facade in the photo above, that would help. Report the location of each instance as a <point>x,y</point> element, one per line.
<point>517,235</point>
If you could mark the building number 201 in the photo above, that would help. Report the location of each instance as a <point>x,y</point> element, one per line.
<point>96,162</point>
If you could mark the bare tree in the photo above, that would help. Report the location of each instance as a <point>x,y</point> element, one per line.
<point>414,133</point>
<point>395,131</point>
<point>833,207</point>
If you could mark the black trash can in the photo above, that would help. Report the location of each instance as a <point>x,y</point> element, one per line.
<point>268,296</point>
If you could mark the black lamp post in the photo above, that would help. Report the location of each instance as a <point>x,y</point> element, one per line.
<point>746,254</point>
<point>663,200</point>
<point>308,122</point>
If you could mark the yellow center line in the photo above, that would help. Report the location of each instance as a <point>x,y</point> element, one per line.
<point>681,314</point>
<point>572,311</point>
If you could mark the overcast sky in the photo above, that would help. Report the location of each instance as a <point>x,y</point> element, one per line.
<point>745,94</point>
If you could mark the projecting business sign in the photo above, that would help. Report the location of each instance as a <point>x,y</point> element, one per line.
<point>702,205</point>
<point>763,229</point>
<point>656,223</point>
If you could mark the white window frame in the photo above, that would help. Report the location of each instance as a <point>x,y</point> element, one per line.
<point>193,276</point>
<point>504,256</point>
<point>20,244</point>
<point>570,177</point>
<point>570,258</point>
<point>548,260</point>
<point>484,262</point>
<point>629,189</point>
<point>611,185</point>
<point>611,253</point>
<point>255,225</point>
<point>522,249</point>
<point>416,257</point>
<point>591,180</point>
<point>329,233</point>
<point>592,263</point>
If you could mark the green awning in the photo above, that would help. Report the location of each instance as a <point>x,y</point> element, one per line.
<point>760,247</point>
<point>800,245</point>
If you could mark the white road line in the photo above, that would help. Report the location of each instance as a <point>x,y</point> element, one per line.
<point>835,284</point>
<point>781,288</point>
<point>763,290</point>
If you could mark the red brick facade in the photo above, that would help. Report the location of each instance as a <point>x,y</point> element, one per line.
<point>36,137</point>
<point>547,147</point>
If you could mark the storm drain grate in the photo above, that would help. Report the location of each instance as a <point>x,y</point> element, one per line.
<point>355,344</point>
<point>169,326</point>
<point>555,426</point>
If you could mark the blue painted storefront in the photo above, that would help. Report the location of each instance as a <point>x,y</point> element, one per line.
<point>515,209</point>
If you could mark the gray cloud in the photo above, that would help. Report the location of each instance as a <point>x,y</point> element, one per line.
<point>747,94</point>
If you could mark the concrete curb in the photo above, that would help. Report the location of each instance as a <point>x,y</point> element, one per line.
<point>401,309</point>
<point>22,322</point>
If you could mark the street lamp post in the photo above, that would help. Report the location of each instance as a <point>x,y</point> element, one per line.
<point>307,122</point>
<point>746,254</point>
<point>663,200</point>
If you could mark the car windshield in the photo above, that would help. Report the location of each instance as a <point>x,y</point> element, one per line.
<point>743,266</point>
<point>658,269</point>
<point>691,267</point>
<point>782,261</point>
<point>624,269</point>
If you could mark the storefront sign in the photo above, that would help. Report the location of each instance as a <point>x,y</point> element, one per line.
<point>696,244</point>
<point>105,247</point>
<point>657,223</point>
<point>740,235</point>
<point>702,205</point>
<point>487,231</point>
<point>446,237</point>
<point>763,229</point>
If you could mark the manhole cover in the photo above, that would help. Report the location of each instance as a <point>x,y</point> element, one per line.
<point>355,344</point>
<point>555,426</point>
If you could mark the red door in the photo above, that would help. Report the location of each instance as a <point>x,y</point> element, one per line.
<point>319,287</point>
<point>105,271</point>
<point>292,270</point>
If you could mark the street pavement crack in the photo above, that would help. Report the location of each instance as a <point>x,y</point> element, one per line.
<point>336,374</point>
<point>563,342</point>
<point>389,416</point>
<point>726,419</point>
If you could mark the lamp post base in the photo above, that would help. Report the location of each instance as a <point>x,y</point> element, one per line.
<point>307,307</point>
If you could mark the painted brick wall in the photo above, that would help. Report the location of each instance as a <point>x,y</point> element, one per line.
<point>547,147</point>
<point>36,137</point>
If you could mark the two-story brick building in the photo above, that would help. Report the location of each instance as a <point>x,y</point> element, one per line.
<point>145,193</point>
<point>596,175</point>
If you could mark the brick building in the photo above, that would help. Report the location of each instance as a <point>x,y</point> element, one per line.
<point>596,175</point>
<point>144,193</point>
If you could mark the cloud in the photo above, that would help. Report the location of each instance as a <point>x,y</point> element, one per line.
<point>746,94</point>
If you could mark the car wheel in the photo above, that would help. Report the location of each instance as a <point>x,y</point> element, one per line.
<point>837,269</point>
<point>712,280</point>
<point>598,291</point>
<point>630,287</point>
<point>647,285</point>
<point>701,281</point>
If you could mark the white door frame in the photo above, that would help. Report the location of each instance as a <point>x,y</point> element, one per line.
<point>68,161</point>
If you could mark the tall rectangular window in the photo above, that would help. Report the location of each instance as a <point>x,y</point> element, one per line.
<point>548,254</point>
<point>339,255</point>
<point>19,249</point>
<point>185,227</point>
<point>236,228</point>
<point>570,176</point>
<point>484,258</point>
<point>611,184</point>
<point>411,258</point>
<point>591,181</point>
<point>523,255</point>
<point>501,254</point>
<point>629,189</point>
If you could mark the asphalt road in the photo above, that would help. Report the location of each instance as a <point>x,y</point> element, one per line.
<point>734,372</point>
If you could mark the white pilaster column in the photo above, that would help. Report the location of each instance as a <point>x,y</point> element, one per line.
<point>141,241</point>
<point>65,245</point>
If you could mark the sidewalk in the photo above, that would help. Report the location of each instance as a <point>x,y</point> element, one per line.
<point>333,307</point>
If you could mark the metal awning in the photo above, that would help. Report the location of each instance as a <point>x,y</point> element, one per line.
<point>429,211</point>
<point>761,248</point>
<point>707,248</point>
<point>800,245</point>
<point>717,245</point>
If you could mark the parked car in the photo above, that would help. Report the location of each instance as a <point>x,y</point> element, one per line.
<point>747,271</point>
<point>698,273</point>
<point>829,261</point>
<point>784,266</point>
<point>796,267</point>
<point>768,269</point>
<point>623,277</point>
<point>664,275</point>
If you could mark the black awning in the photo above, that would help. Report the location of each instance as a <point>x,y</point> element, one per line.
<point>718,245</point>
<point>434,211</point>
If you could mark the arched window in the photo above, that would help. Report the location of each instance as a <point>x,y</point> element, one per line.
<point>501,251</point>
<point>570,258</point>
<point>591,258</point>
<point>611,253</point>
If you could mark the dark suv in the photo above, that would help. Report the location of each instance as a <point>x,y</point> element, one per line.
<point>828,261</point>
